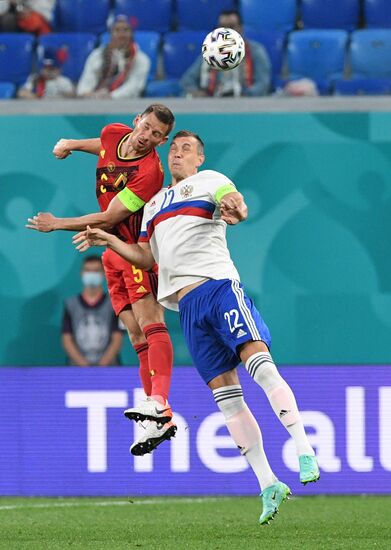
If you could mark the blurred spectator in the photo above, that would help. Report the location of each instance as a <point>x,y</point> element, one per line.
<point>33,16</point>
<point>119,69</point>
<point>251,78</point>
<point>90,331</point>
<point>302,87</point>
<point>48,83</point>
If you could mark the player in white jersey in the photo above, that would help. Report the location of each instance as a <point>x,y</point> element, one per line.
<point>184,232</point>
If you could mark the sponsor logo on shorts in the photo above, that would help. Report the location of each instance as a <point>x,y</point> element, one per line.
<point>241,333</point>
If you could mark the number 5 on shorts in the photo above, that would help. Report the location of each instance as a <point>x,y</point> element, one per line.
<point>137,274</point>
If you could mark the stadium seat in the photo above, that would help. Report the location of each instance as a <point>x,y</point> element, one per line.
<point>148,41</point>
<point>16,55</point>
<point>333,14</point>
<point>200,14</point>
<point>370,53</point>
<point>82,15</point>
<point>362,86</point>
<point>75,48</point>
<point>180,49</point>
<point>7,90</point>
<point>317,54</point>
<point>279,15</point>
<point>147,17</point>
<point>163,88</point>
<point>273,42</point>
<point>377,13</point>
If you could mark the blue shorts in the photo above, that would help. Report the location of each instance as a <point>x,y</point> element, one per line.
<point>217,317</point>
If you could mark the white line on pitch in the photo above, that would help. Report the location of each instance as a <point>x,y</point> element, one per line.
<point>166,501</point>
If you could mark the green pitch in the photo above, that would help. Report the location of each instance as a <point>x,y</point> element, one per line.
<point>313,523</point>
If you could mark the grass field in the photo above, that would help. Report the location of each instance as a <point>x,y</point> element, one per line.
<point>180,523</point>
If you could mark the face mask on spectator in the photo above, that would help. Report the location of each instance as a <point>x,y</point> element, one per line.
<point>92,279</point>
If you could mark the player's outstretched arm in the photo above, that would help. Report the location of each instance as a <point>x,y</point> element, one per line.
<point>233,208</point>
<point>139,255</point>
<point>46,221</point>
<point>64,147</point>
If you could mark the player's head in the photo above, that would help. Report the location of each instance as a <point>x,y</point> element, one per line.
<point>121,32</point>
<point>151,128</point>
<point>92,272</point>
<point>186,155</point>
<point>232,20</point>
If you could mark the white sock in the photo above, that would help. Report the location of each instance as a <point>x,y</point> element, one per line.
<point>244,431</point>
<point>262,368</point>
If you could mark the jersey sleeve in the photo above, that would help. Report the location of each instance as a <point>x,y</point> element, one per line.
<point>66,321</point>
<point>220,186</point>
<point>142,187</point>
<point>143,237</point>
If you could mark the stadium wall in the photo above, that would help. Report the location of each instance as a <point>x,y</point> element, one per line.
<point>67,436</point>
<point>314,253</point>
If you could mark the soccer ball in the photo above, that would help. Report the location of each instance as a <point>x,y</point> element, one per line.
<point>223,49</point>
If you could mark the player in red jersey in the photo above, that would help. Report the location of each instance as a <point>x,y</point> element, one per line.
<point>128,174</point>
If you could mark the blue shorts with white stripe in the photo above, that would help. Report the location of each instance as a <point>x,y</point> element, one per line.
<point>216,318</point>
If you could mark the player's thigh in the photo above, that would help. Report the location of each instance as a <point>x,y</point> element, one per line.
<point>229,378</point>
<point>237,320</point>
<point>115,283</point>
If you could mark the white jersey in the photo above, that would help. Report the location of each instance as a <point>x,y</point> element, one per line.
<point>187,235</point>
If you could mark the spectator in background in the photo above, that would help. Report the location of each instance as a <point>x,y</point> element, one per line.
<point>251,78</point>
<point>118,70</point>
<point>48,83</point>
<point>33,16</point>
<point>90,331</point>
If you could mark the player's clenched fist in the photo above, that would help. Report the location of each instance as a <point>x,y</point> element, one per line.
<point>62,149</point>
<point>43,221</point>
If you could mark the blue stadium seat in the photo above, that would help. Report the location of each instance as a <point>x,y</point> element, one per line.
<point>370,53</point>
<point>273,42</point>
<point>148,41</point>
<point>7,90</point>
<point>377,13</point>
<point>180,49</point>
<point>16,55</point>
<point>82,15</point>
<point>363,86</point>
<point>147,15</point>
<point>201,14</point>
<point>163,88</point>
<point>330,14</point>
<point>317,54</point>
<point>75,47</point>
<point>278,15</point>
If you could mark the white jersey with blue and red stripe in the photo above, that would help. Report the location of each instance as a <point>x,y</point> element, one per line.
<point>187,235</point>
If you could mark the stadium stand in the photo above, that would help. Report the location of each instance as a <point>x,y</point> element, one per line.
<point>144,16</point>
<point>362,86</point>
<point>333,14</point>
<point>75,49</point>
<point>377,13</point>
<point>317,54</point>
<point>16,56</point>
<point>370,53</point>
<point>7,90</point>
<point>200,14</point>
<point>274,44</point>
<point>81,15</point>
<point>260,15</point>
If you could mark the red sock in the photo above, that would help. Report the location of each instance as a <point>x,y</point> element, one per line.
<point>145,376</point>
<point>160,357</point>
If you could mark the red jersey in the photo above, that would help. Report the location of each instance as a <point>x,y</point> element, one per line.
<point>140,178</point>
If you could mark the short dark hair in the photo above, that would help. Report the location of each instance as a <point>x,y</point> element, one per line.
<point>91,258</point>
<point>162,113</point>
<point>187,133</point>
<point>232,12</point>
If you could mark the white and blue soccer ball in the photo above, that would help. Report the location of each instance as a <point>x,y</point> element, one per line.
<point>223,49</point>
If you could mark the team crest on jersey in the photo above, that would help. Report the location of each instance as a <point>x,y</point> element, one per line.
<point>120,182</point>
<point>111,167</point>
<point>186,191</point>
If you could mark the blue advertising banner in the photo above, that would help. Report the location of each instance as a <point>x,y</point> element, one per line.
<point>62,432</point>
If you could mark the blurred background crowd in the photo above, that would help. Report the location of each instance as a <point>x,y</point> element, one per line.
<point>151,48</point>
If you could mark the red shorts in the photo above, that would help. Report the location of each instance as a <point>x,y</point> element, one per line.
<point>125,282</point>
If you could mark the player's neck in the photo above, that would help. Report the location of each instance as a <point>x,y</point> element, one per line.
<point>92,295</point>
